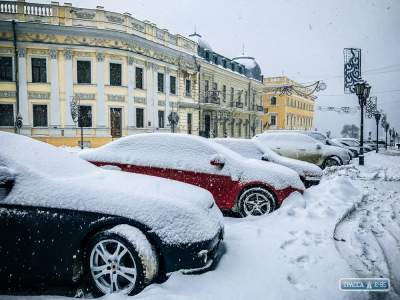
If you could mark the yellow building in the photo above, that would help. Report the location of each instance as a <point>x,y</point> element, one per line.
<point>285,107</point>
<point>128,74</point>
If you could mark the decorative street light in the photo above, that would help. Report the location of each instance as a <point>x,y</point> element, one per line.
<point>76,114</point>
<point>362,90</point>
<point>377,115</point>
<point>387,126</point>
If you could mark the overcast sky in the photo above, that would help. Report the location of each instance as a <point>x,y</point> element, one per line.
<point>303,39</point>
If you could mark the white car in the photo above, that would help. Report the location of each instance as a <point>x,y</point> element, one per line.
<point>66,221</point>
<point>351,142</point>
<point>303,147</point>
<point>309,173</point>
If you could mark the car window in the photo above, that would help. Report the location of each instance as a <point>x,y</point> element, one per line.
<point>245,148</point>
<point>6,182</point>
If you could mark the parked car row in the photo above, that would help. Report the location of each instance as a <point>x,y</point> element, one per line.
<point>66,221</point>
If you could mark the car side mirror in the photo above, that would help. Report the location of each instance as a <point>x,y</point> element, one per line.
<point>7,177</point>
<point>217,161</point>
<point>318,147</point>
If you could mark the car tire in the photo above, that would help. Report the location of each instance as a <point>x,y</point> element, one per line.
<point>121,255</point>
<point>331,162</point>
<point>256,201</point>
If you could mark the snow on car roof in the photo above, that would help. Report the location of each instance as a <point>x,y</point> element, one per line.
<point>50,177</point>
<point>157,149</point>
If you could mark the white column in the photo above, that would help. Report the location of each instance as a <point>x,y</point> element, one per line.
<point>23,93</point>
<point>149,85</point>
<point>69,93</point>
<point>54,94</point>
<point>154,123</point>
<point>131,101</point>
<point>101,129</point>
<point>167,91</point>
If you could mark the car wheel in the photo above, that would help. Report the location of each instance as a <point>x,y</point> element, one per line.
<point>331,162</point>
<point>256,201</point>
<point>121,260</point>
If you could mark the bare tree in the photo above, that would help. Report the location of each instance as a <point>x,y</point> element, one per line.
<point>351,131</point>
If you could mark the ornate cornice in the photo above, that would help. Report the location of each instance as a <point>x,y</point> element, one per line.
<point>68,54</point>
<point>53,53</point>
<point>100,56</point>
<point>21,52</point>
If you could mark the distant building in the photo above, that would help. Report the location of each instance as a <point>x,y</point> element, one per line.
<point>230,93</point>
<point>287,110</point>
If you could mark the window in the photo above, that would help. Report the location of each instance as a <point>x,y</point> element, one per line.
<point>160,119</point>
<point>207,56</point>
<point>273,100</point>
<point>245,98</point>
<point>39,70</point>
<point>160,82</point>
<point>139,77</point>
<point>232,94</point>
<point>233,67</point>
<point>84,70</point>
<point>224,93</point>
<point>6,115</point>
<point>273,120</point>
<point>216,60</point>
<point>189,123</point>
<point>6,69</point>
<point>188,88</point>
<point>39,115</point>
<point>115,74</point>
<point>224,63</point>
<point>85,119</point>
<point>139,117</point>
<point>172,85</point>
<point>215,86</point>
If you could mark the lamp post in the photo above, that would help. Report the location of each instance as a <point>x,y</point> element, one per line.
<point>377,118</point>
<point>362,90</point>
<point>387,126</point>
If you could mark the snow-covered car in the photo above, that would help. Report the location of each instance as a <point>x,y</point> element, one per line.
<point>303,147</point>
<point>353,151</point>
<point>351,142</point>
<point>239,185</point>
<point>309,173</point>
<point>64,221</point>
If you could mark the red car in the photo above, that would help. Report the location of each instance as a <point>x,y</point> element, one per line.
<point>244,186</point>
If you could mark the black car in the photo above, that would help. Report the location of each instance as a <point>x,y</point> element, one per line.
<point>64,221</point>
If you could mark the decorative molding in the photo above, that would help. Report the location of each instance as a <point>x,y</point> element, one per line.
<point>161,103</point>
<point>39,95</point>
<point>137,25</point>
<point>6,50</point>
<point>100,56</point>
<point>85,96</point>
<point>116,57</point>
<point>40,51</point>
<point>141,100</point>
<point>82,54</point>
<point>84,14</point>
<point>119,98</point>
<point>130,60</point>
<point>7,94</point>
<point>53,53</point>
<point>68,54</point>
<point>114,19</point>
<point>188,105</point>
<point>21,52</point>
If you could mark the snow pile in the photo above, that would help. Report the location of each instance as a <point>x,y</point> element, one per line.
<point>51,177</point>
<point>192,153</point>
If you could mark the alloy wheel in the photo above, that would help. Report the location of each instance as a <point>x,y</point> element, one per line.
<point>256,203</point>
<point>113,267</point>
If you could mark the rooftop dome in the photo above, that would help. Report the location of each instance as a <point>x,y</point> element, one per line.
<point>201,42</point>
<point>253,69</point>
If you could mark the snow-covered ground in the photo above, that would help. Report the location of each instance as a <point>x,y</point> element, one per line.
<point>348,226</point>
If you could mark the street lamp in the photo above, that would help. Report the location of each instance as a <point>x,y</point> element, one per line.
<point>377,115</point>
<point>362,90</point>
<point>387,126</point>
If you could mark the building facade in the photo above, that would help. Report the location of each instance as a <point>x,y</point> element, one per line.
<point>230,94</point>
<point>127,75</point>
<point>287,110</point>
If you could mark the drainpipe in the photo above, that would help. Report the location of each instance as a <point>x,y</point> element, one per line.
<point>248,99</point>
<point>16,73</point>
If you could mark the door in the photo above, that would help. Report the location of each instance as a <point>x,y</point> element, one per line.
<point>207,125</point>
<point>116,122</point>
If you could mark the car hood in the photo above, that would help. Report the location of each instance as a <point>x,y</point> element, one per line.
<point>303,168</point>
<point>277,176</point>
<point>177,213</point>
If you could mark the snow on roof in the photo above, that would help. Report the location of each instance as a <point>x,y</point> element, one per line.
<point>188,152</point>
<point>51,177</point>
